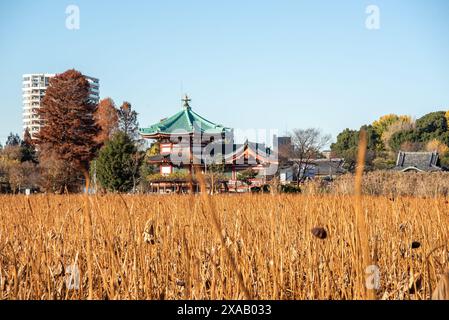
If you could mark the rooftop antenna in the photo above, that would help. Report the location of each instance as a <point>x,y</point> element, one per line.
<point>182,89</point>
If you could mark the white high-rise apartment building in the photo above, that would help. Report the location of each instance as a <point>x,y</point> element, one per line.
<point>33,89</point>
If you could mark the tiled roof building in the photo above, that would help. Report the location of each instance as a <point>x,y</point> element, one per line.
<point>418,161</point>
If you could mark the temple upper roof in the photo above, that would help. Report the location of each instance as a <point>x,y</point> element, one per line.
<point>186,121</point>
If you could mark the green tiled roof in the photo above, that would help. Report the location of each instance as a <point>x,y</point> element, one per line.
<point>185,120</point>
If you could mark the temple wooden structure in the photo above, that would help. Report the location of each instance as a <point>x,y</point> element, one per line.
<point>188,142</point>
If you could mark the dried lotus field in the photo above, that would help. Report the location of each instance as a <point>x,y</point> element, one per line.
<point>218,247</point>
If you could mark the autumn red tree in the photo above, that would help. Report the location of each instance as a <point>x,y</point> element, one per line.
<point>107,119</point>
<point>57,175</point>
<point>69,129</point>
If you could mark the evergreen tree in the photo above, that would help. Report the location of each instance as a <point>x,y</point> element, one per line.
<point>28,151</point>
<point>347,146</point>
<point>246,176</point>
<point>118,163</point>
<point>13,140</point>
<point>431,126</point>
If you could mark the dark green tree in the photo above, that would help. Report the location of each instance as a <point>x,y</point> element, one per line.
<point>345,140</point>
<point>400,137</point>
<point>346,146</point>
<point>431,125</point>
<point>246,176</point>
<point>13,140</point>
<point>27,149</point>
<point>348,142</point>
<point>117,164</point>
<point>444,137</point>
<point>373,138</point>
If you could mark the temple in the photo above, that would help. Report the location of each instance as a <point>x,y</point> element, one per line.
<point>189,143</point>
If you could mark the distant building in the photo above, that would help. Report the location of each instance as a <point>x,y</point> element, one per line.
<point>34,87</point>
<point>284,147</point>
<point>315,168</point>
<point>326,168</point>
<point>327,154</point>
<point>418,161</point>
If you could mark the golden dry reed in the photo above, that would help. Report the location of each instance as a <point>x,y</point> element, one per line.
<point>387,183</point>
<point>362,230</point>
<point>166,247</point>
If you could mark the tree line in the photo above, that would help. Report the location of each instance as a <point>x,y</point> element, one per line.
<point>80,141</point>
<point>393,133</point>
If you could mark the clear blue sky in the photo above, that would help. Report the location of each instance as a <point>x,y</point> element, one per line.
<point>246,64</point>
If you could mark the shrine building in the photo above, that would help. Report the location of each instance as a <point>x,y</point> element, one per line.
<point>188,142</point>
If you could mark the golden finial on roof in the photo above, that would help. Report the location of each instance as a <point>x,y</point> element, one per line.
<point>186,101</point>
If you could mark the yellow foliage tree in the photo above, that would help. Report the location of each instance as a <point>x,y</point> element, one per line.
<point>437,145</point>
<point>389,124</point>
<point>386,121</point>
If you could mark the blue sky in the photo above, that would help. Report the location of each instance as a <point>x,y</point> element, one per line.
<point>245,64</point>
